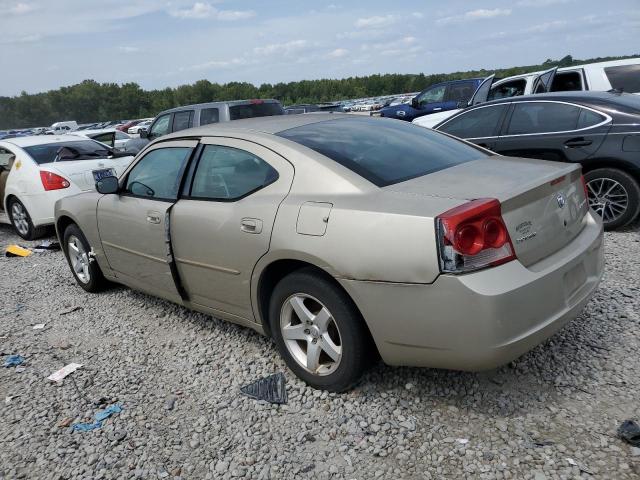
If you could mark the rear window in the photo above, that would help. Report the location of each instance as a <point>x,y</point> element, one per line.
<point>384,152</point>
<point>67,151</point>
<point>624,77</point>
<point>250,110</point>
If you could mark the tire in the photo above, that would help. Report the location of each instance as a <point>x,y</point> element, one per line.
<point>609,191</point>
<point>344,329</point>
<point>84,268</point>
<point>21,221</point>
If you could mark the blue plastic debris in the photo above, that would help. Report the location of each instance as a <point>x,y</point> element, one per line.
<point>100,416</point>
<point>13,360</point>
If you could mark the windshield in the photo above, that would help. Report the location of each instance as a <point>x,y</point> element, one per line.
<point>251,110</point>
<point>383,151</point>
<point>66,151</point>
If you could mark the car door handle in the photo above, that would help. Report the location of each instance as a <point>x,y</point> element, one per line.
<point>153,218</point>
<point>251,225</point>
<point>577,142</point>
<point>437,109</point>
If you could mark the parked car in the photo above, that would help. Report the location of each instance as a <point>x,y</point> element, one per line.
<point>344,236</point>
<point>63,127</point>
<point>439,97</point>
<point>143,125</point>
<point>189,116</point>
<point>111,137</point>
<point>599,130</point>
<point>38,170</point>
<point>312,107</point>
<point>622,75</point>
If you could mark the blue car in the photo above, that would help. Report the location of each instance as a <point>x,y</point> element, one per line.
<point>436,98</point>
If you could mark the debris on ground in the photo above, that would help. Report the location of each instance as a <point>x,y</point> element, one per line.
<point>13,360</point>
<point>47,245</point>
<point>39,326</point>
<point>65,422</point>
<point>17,251</point>
<point>70,310</point>
<point>170,403</point>
<point>272,389</point>
<point>629,431</point>
<point>63,372</point>
<point>99,417</point>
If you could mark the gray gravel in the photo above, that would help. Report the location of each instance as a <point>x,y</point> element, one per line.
<point>551,414</point>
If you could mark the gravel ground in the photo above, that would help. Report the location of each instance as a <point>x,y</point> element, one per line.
<point>551,414</point>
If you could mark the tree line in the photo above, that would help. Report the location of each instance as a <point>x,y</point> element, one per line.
<point>90,101</point>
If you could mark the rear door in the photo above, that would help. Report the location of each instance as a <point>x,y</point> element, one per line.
<point>222,225</point>
<point>552,130</point>
<point>133,224</point>
<point>480,125</point>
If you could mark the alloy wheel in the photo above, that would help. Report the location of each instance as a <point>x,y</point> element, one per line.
<point>79,259</point>
<point>20,218</point>
<point>311,334</point>
<point>607,198</point>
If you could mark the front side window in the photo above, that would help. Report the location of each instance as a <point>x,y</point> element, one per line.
<point>382,151</point>
<point>209,115</point>
<point>182,120</point>
<point>543,117</point>
<point>160,127</point>
<point>477,123</point>
<point>226,173</point>
<point>460,92</point>
<point>157,174</point>
<point>508,89</point>
<point>433,95</point>
<point>624,77</point>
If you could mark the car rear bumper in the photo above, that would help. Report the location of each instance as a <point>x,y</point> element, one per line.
<point>484,319</point>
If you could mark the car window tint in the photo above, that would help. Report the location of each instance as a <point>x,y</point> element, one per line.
<point>624,77</point>
<point>226,173</point>
<point>157,174</point>
<point>476,123</point>
<point>209,115</point>
<point>121,136</point>
<point>383,151</point>
<point>182,120</point>
<point>67,151</point>
<point>104,138</point>
<point>460,92</point>
<point>258,109</point>
<point>432,95</point>
<point>543,117</point>
<point>589,118</point>
<point>566,82</point>
<point>161,126</point>
<point>507,89</point>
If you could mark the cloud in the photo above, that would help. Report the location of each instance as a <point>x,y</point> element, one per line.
<point>472,15</point>
<point>547,26</point>
<point>21,9</point>
<point>405,46</point>
<point>541,3</point>
<point>337,53</point>
<point>377,21</point>
<point>234,62</point>
<point>202,10</point>
<point>281,48</point>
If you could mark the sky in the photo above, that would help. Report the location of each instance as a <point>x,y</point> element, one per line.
<point>46,44</point>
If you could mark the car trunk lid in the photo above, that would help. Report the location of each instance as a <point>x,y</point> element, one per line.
<point>543,203</point>
<point>83,173</point>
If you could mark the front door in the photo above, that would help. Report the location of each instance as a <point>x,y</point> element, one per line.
<point>222,225</point>
<point>133,223</point>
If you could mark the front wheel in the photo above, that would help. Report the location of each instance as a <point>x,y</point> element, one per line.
<point>84,267</point>
<point>614,195</point>
<point>319,331</point>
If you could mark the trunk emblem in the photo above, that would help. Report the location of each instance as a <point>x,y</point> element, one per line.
<point>561,200</point>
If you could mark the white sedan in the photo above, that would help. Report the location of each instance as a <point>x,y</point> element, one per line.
<point>36,171</point>
<point>135,130</point>
<point>110,136</point>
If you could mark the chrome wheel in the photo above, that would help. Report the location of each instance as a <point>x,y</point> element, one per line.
<point>608,198</point>
<point>20,218</point>
<point>79,259</point>
<point>311,334</point>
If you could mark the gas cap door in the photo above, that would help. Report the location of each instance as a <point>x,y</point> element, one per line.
<point>313,218</point>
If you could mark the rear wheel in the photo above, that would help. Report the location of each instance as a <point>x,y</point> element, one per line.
<point>21,221</point>
<point>85,268</point>
<point>614,195</point>
<point>318,331</point>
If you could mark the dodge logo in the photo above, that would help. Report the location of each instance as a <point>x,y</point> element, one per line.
<point>561,200</point>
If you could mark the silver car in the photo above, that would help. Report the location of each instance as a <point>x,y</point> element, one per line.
<point>346,237</point>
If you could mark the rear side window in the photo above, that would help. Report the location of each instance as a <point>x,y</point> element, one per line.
<point>67,151</point>
<point>476,123</point>
<point>182,120</point>
<point>589,118</point>
<point>226,173</point>
<point>251,110</point>
<point>460,92</point>
<point>624,77</point>
<point>567,82</point>
<point>382,151</point>
<point>543,117</point>
<point>157,174</point>
<point>209,115</point>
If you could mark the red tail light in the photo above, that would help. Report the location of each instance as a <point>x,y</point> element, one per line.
<point>473,236</point>
<point>584,185</point>
<point>51,181</point>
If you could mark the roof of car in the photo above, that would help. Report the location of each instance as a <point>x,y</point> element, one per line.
<point>43,140</point>
<point>572,96</point>
<point>216,104</point>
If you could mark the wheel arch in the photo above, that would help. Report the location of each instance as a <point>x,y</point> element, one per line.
<point>616,164</point>
<point>61,225</point>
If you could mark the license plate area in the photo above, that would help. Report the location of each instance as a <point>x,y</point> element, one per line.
<point>100,174</point>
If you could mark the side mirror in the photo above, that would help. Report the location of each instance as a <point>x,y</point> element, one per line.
<point>414,102</point>
<point>144,133</point>
<point>107,185</point>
